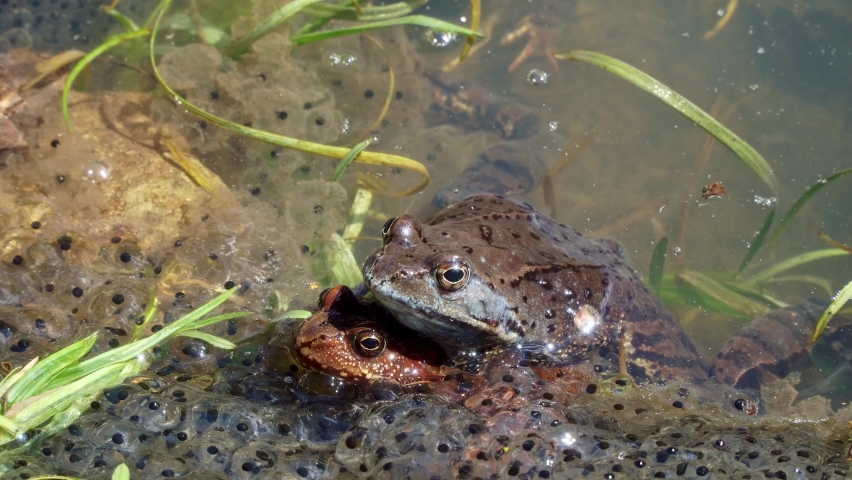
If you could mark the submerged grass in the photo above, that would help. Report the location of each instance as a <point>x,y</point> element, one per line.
<point>745,152</point>
<point>49,393</point>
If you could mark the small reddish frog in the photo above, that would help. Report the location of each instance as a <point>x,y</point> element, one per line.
<point>357,340</point>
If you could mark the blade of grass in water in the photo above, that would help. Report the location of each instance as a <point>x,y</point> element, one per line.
<point>758,241</point>
<point>294,315</point>
<point>242,44</point>
<point>218,342</point>
<point>45,407</point>
<point>357,214</point>
<point>75,72</point>
<point>718,291</point>
<point>346,11</point>
<point>341,167</point>
<point>420,20</point>
<point>842,297</point>
<point>344,269</point>
<point>12,378</point>
<point>792,263</point>
<point>741,149</point>
<point>475,15</point>
<point>126,22</point>
<point>34,381</point>
<point>121,472</point>
<point>391,87</point>
<point>130,350</point>
<point>368,158</point>
<point>811,279</point>
<point>658,263</point>
<point>800,202</point>
<point>680,293</point>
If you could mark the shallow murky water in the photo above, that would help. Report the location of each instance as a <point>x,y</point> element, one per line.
<point>779,76</point>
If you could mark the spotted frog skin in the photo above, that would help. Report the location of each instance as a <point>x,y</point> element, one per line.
<point>490,273</point>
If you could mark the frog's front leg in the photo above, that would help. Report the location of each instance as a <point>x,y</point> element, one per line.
<point>541,28</point>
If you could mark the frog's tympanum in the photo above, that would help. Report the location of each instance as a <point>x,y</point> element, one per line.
<point>356,340</point>
<point>490,273</point>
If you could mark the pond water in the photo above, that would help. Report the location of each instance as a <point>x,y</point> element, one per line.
<point>93,222</point>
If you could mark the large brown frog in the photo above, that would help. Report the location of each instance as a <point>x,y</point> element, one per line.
<point>491,273</point>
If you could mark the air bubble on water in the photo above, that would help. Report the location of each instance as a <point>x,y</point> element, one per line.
<point>375,138</point>
<point>537,77</point>
<point>676,250</point>
<point>553,125</point>
<point>346,125</point>
<point>336,59</point>
<point>761,50</point>
<point>96,172</point>
<point>822,181</point>
<point>720,12</point>
<point>753,87</point>
<point>439,38</point>
<point>765,202</point>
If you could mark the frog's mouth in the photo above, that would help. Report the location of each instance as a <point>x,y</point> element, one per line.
<point>444,329</point>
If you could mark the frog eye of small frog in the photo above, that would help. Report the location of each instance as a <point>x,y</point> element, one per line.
<point>387,228</point>
<point>452,275</point>
<point>369,343</point>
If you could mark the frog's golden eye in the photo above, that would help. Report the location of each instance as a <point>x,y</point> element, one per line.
<point>452,275</point>
<point>369,343</point>
<point>387,229</point>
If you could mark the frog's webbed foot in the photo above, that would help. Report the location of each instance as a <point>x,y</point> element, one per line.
<point>540,41</point>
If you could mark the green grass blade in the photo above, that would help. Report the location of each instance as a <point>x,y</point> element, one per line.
<point>9,428</point>
<point>121,472</point>
<point>131,350</point>
<point>126,22</point>
<point>757,242</point>
<point>11,378</point>
<point>344,269</point>
<point>75,72</point>
<point>842,297</point>
<point>347,160</point>
<point>369,158</point>
<point>723,294</point>
<point>211,339</point>
<point>420,20</point>
<point>800,202</point>
<point>33,382</point>
<point>792,263</point>
<point>272,22</point>
<point>218,318</point>
<point>674,292</point>
<point>294,315</point>
<point>58,399</point>
<point>475,16</point>
<point>811,279</point>
<point>741,149</point>
<point>147,316</point>
<point>658,264</point>
<point>757,296</point>
<point>55,401</point>
<point>346,11</point>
